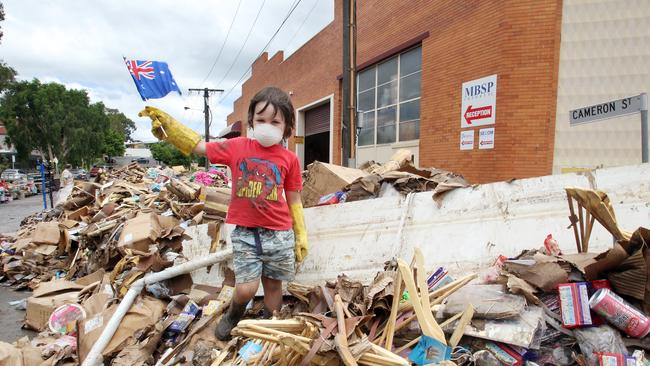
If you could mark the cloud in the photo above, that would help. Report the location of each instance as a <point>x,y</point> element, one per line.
<point>81,44</point>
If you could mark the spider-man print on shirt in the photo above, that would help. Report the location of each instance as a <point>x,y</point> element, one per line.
<point>260,180</point>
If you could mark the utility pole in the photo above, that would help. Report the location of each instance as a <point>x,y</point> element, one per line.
<point>349,97</point>
<point>206,112</point>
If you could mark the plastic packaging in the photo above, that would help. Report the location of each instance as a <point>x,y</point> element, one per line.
<point>551,245</point>
<point>489,301</point>
<point>598,340</point>
<point>491,274</point>
<point>332,198</point>
<point>64,318</point>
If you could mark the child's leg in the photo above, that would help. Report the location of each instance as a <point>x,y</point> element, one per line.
<point>279,265</point>
<point>244,292</point>
<point>272,293</point>
<point>248,270</point>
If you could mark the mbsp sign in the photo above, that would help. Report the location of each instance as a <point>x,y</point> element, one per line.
<point>479,102</point>
<point>605,110</point>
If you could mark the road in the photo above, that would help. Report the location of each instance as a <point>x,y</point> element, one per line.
<point>11,214</point>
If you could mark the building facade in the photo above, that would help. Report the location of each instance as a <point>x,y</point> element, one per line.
<point>421,65</point>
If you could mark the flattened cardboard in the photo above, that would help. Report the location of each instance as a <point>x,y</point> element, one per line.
<point>140,232</point>
<point>46,249</point>
<point>77,215</point>
<point>545,276</point>
<point>323,178</point>
<point>144,313</point>
<point>216,200</point>
<point>40,308</point>
<point>47,233</point>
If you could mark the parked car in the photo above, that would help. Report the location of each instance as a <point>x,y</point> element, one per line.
<point>79,173</point>
<point>11,175</point>
<point>95,169</point>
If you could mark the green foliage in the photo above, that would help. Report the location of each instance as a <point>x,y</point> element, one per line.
<point>168,154</point>
<point>2,17</point>
<point>120,123</point>
<point>113,143</point>
<point>54,121</point>
<point>7,76</point>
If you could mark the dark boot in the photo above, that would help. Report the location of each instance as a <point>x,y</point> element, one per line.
<point>229,321</point>
<point>266,313</point>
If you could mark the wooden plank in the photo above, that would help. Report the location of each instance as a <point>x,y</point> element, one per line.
<point>572,218</point>
<point>341,337</point>
<point>431,329</point>
<point>389,330</point>
<point>465,319</point>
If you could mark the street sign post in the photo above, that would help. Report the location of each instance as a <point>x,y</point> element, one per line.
<point>616,108</point>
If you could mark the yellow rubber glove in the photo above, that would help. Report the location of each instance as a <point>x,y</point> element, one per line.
<point>299,231</point>
<point>166,127</point>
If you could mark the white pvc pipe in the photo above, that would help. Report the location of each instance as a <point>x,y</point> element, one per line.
<point>95,355</point>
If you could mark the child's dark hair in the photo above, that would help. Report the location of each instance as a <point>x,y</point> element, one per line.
<point>280,101</point>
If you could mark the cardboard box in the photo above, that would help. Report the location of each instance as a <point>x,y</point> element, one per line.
<point>140,232</point>
<point>145,312</point>
<point>216,200</point>
<point>324,179</point>
<point>47,233</point>
<point>46,298</point>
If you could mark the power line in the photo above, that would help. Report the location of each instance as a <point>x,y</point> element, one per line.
<point>243,44</point>
<point>223,44</point>
<point>303,22</point>
<point>263,49</point>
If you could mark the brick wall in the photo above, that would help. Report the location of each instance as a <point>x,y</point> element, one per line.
<point>517,40</point>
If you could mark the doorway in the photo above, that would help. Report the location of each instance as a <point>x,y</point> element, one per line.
<point>314,122</point>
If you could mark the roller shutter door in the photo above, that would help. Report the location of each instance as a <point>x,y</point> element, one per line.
<point>317,120</point>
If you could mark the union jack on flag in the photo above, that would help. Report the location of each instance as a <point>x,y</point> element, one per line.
<point>152,78</point>
<point>140,68</point>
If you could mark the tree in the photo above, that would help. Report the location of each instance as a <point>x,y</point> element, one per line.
<point>2,17</point>
<point>113,143</point>
<point>7,74</point>
<point>120,123</point>
<point>168,154</point>
<point>54,121</point>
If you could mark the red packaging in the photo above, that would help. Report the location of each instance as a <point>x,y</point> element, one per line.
<point>596,285</point>
<point>612,359</point>
<point>574,304</point>
<point>620,313</point>
<point>552,246</point>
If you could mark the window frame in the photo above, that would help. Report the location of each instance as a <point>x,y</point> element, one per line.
<point>397,104</point>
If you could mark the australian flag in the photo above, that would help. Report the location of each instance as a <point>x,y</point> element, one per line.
<point>152,78</point>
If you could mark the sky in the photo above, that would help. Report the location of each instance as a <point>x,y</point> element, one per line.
<point>81,43</point>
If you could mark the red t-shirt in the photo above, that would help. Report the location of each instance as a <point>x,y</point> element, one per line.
<point>260,177</point>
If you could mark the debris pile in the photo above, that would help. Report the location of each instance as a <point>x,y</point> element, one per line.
<point>541,307</point>
<point>326,184</point>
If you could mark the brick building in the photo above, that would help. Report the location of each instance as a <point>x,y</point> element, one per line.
<point>413,58</point>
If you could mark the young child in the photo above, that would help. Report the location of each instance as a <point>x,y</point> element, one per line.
<point>266,207</point>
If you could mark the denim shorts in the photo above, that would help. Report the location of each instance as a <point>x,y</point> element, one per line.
<point>263,252</point>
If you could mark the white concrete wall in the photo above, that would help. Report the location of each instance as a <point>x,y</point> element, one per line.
<point>469,229</point>
<point>604,55</point>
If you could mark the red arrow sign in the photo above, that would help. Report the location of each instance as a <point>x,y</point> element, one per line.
<point>477,113</point>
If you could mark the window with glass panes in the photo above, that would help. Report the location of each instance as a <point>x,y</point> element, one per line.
<point>388,100</point>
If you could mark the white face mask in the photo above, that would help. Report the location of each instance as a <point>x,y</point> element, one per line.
<point>267,135</point>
